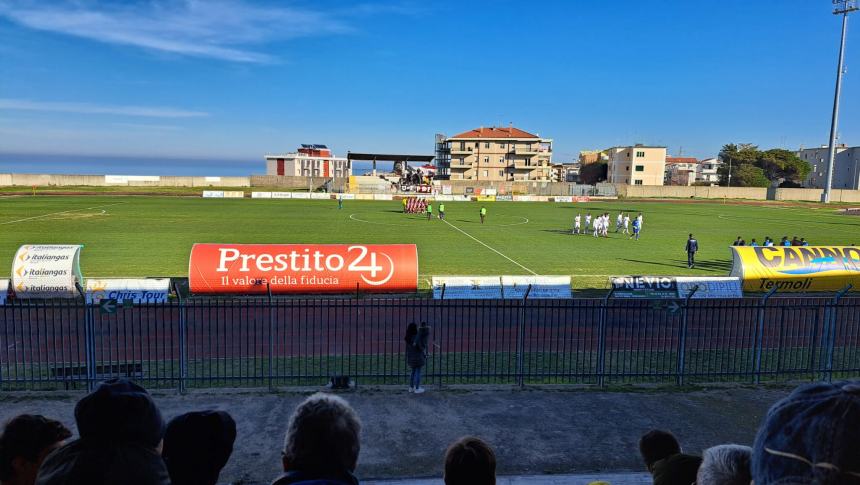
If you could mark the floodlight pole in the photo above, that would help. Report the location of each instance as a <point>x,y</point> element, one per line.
<point>843,7</point>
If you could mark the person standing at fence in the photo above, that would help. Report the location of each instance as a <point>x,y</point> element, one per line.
<point>692,248</point>
<point>416,354</point>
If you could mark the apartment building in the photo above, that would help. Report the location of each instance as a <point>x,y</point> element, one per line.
<point>498,154</point>
<point>846,167</point>
<point>706,172</point>
<point>565,172</point>
<point>308,161</point>
<point>637,165</point>
<point>681,170</point>
<point>592,156</point>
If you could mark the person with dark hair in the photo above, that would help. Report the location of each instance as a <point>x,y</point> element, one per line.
<point>663,458</point>
<point>470,461</point>
<point>811,436</point>
<point>120,431</point>
<point>737,242</point>
<point>322,443</point>
<point>26,441</point>
<point>417,341</point>
<point>197,445</point>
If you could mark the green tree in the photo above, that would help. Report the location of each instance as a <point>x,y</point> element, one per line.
<point>748,175</point>
<point>733,157</point>
<point>593,173</point>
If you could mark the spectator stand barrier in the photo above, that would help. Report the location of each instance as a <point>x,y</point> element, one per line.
<point>272,342</point>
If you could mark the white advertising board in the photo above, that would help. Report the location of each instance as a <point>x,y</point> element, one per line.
<point>320,196</point>
<point>563,198</point>
<point>301,195</point>
<point>4,290</point>
<point>490,191</point>
<point>212,179</point>
<point>523,198</point>
<point>47,271</point>
<point>467,287</point>
<point>346,196</point>
<point>282,195</point>
<point>383,197</point>
<point>124,179</point>
<point>445,198</point>
<point>446,190</point>
<point>261,195</point>
<point>714,287</point>
<point>542,287</point>
<point>138,290</point>
<point>213,194</point>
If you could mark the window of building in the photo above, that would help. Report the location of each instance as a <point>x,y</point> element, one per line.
<point>486,173</point>
<point>501,173</point>
<point>487,145</point>
<point>637,182</point>
<point>640,154</point>
<point>502,146</point>
<point>477,144</point>
<point>486,159</point>
<point>640,168</point>
<point>626,169</point>
<point>462,145</point>
<point>501,159</point>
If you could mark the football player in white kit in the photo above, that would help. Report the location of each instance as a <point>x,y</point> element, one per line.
<point>576,224</point>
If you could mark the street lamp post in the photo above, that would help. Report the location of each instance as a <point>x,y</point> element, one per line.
<point>843,7</point>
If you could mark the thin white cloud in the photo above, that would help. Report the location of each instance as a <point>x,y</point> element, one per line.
<point>106,109</point>
<point>217,29</point>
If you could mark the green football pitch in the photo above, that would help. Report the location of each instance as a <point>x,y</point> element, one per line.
<point>152,236</point>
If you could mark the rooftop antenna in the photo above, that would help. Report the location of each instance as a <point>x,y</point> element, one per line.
<point>842,7</point>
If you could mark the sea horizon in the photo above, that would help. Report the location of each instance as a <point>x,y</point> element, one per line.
<point>29,163</point>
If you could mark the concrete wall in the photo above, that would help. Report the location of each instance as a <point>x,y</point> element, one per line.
<point>644,191</point>
<point>299,183</point>
<point>814,195</point>
<point>41,180</point>
<point>520,187</point>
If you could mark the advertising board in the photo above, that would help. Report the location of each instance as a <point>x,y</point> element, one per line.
<point>346,196</point>
<point>302,268</point>
<point>644,287</point>
<point>124,179</point>
<point>796,268</point>
<point>213,194</point>
<point>47,271</point>
<point>486,198</point>
<point>282,195</point>
<point>138,290</point>
<point>261,195</point>
<point>320,196</point>
<point>523,198</point>
<point>383,197</point>
<point>446,189</point>
<point>467,287</point>
<point>555,287</point>
<point>234,194</point>
<point>504,198</point>
<point>563,198</point>
<point>709,287</point>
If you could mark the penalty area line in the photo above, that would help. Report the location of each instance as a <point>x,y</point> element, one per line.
<point>58,213</point>
<point>482,243</point>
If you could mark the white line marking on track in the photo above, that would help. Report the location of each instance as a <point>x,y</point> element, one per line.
<point>58,213</point>
<point>488,247</point>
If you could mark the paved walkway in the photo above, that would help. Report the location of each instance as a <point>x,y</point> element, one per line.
<point>537,433</point>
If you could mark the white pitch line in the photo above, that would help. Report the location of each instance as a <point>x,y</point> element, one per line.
<point>488,247</point>
<point>58,213</point>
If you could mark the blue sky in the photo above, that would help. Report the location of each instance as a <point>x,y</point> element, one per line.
<point>238,79</point>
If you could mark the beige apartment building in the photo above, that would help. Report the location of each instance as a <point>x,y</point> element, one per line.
<point>637,165</point>
<point>499,154</point>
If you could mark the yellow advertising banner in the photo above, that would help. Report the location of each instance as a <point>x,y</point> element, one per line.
<point>796,268</point>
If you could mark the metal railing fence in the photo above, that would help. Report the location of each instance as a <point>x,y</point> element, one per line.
<point>274,343</point>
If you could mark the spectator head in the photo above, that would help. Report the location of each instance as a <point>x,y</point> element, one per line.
<point>197,445</point>
<point>25,442</point>
<point>470,461</point>
<point>411,332</point>
<point>119,411</point>
<point>323,436</point>
<point>725,465</point>
<point>691,236</point>
<point>657,445</point>
<point>811,436</point>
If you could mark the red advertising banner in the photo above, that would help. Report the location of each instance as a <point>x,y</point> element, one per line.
<point>303,268</point>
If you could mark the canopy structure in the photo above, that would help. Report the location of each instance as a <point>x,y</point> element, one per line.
<point>386,157</point>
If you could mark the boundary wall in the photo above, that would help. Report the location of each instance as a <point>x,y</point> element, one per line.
<point>28,180</point>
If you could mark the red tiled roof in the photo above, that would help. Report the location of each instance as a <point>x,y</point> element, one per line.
<point>496,132</point>
<point>671,160</point>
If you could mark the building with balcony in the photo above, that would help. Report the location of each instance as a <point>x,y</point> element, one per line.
<point>495,154</point>
<point>846,167</point>
<point>565,172</point>
<point>707,171</point>
<point>308,161</point>
<point>681,170</point>
<point>636,165</point>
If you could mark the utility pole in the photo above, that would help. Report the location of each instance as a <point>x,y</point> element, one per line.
<point>843,7</point>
